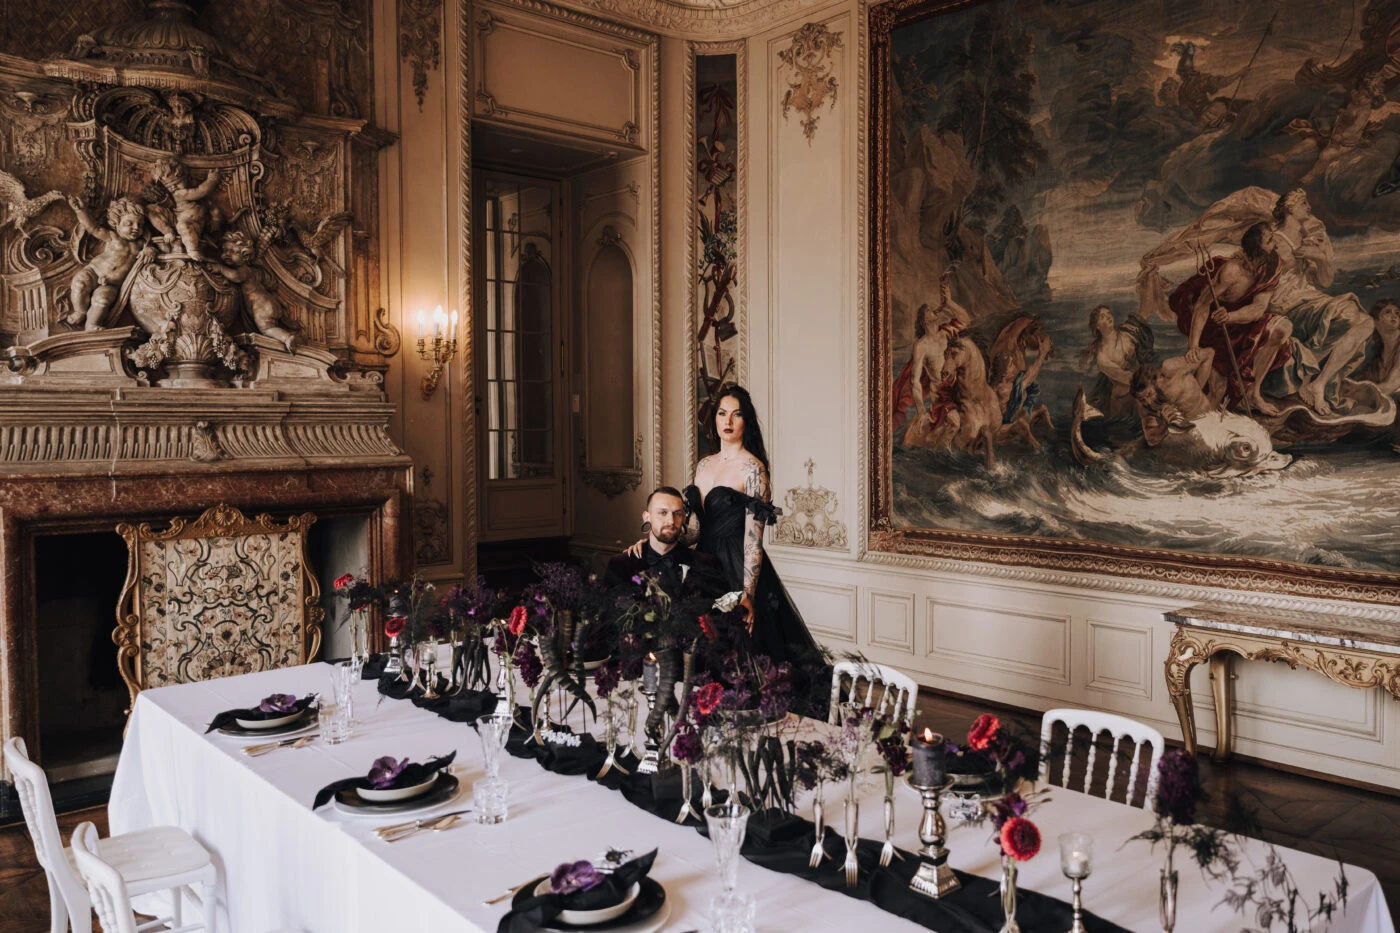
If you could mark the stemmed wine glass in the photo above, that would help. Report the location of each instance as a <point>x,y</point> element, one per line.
<point>1076,861</point>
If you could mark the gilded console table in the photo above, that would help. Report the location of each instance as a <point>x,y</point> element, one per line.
<point>1355,652</point>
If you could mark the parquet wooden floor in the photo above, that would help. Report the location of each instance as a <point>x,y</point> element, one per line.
<point>1356,826</point>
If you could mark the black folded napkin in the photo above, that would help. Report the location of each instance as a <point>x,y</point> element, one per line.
<point>467,706</point>
<point>532,913</point>
<point>229,715</point>
<point>414,773</point>
<point>773,842</point>
<point>374,667</point>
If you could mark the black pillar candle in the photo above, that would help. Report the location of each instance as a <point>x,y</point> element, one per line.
<point>930,759</point>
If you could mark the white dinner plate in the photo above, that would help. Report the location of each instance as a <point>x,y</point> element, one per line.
<point>276,722</point>
<point>587,918</point>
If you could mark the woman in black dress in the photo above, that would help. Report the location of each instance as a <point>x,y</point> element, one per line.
<point>730,503</point>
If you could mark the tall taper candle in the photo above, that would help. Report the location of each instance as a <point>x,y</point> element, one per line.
<point>649,672</point>
<point>930,759</point>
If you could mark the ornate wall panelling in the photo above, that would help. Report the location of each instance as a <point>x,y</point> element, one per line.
<point>584,83</point>
<point>701,19</point>
<point>420,43</point>
<point>811,516</point>
<point>717,259</point>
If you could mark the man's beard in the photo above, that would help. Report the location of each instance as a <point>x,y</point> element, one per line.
<point>667,535</point>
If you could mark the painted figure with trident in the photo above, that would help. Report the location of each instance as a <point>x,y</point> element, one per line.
<point>1225,307</point>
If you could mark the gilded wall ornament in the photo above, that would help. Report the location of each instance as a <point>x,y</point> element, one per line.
<point>811,78</point>
<point>809,517</point>
<point>420,43</point>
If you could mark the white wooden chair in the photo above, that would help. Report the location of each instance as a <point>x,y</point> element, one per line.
<point>111,894</point>
<point>155,859</point>
<point>1119,727</point>
<point>897,693</point>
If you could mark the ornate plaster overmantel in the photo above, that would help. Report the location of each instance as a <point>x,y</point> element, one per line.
<point>706,20</point>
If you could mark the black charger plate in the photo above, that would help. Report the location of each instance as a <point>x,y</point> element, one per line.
<point>650,899</point>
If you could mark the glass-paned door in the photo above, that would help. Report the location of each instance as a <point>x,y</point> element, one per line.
<point>520,342</point>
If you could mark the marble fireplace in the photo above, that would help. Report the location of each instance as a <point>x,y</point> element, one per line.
<point>188,274</point>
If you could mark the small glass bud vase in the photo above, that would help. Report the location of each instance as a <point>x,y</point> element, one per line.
<point>1008,894</point>
<point>1167,903</point>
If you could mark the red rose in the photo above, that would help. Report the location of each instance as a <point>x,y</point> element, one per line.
<point>344,580</point>
<point>1019,838</point>
<point>518,618</point>
<point>707,698</point>
<point>983,732</point>
<point>394,625</point>
<point>708,627</point>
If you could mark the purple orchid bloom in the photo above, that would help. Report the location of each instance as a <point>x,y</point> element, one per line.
<point>385,771</point>
<point>573,877</point>
<point>278,703</point>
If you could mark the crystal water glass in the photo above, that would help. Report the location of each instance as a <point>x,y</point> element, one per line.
<point>494,730</point>
<point>490,799</point>
<point>728,823</point>
<point>333,721</point>
<point>345,677</point>
<point>730,910</point>
<point>1076,861</point>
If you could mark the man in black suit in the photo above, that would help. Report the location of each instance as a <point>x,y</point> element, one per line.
<point>664,554</point>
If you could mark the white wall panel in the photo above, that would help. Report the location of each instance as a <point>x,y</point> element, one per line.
<point>1120,659</point>
<point>892,621</point>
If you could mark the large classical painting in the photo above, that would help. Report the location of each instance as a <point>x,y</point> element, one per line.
<point>1136,273</point>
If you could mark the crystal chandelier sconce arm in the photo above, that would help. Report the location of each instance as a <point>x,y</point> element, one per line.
<point>437,350</point>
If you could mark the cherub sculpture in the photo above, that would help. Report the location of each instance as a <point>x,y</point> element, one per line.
<point>96,287</point>
<point>239,252</point>
<point>189,214</point>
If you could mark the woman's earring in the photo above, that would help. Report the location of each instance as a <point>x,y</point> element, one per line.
<point>646,528</point>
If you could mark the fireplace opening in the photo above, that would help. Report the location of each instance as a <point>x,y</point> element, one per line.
<point>82,698</point>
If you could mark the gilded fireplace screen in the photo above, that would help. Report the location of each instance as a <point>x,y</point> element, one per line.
<point>218,596</point>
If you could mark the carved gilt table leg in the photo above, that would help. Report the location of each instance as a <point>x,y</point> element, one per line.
<point>1183,654</point>
<point>1222,684</point>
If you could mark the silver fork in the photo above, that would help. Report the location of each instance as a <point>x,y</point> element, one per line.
<point>500,897</point>
<point>253,751</point>
<point>852,838</point>
<point>393,828</point>
<point>818,847</point>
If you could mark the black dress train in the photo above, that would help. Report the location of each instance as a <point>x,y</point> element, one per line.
<point>778,629</point>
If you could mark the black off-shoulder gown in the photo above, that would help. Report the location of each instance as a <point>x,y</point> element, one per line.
<point>778,630</point>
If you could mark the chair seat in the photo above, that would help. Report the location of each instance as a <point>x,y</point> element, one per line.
<point>144,855</point>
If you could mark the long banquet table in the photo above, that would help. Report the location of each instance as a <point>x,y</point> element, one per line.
<point>324,872</point>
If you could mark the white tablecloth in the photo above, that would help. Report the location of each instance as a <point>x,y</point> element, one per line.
<point>325,872</point>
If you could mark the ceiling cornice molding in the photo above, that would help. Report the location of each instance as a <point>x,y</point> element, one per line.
<point>700,19</point>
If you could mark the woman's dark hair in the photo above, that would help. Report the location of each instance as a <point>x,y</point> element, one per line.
<point>753,434</point>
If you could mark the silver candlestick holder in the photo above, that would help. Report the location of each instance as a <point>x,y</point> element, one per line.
<point>935,878</point>
<point>651,754</point>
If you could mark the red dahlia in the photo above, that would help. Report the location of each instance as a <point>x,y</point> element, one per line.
<point>1019,838</point>
<point>707,698</point>
<point>518,617</point>
<point>344,580</point>
<point>394,625</point>
<point>983,732</point>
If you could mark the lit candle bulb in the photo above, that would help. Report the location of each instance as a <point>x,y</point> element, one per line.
<point>650,672</point>
<point>420,323</point>
<point>437,321</point>
<point>930,759</point>
<point>453,328</point>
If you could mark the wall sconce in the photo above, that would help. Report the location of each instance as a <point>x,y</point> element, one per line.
<point>442,348</point>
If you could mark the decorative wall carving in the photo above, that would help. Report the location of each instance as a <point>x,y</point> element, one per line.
<point>611,483</point>
<point>810,74</point>
<point>420,43</point>
<point>216,160</point>
<point>219,596</point>
<point>430,531</point>
<point>809,517</point>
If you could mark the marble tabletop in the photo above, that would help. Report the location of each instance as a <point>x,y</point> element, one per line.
<point>1318,628</point>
